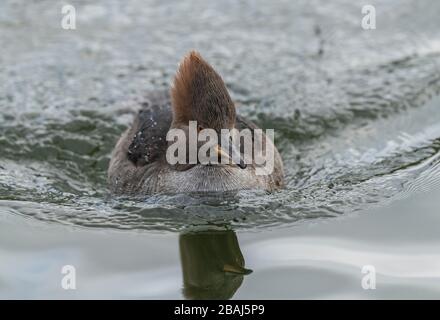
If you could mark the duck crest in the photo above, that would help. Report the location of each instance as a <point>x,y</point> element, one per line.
<point>199,93</point>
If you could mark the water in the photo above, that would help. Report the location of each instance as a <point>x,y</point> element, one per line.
<point>356,116</point>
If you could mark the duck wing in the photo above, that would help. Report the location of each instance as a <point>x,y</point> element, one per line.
<point>149,130</point>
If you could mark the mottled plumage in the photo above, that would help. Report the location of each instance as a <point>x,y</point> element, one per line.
<point>138,165</point>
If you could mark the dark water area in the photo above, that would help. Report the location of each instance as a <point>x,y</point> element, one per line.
<point>356,115</point>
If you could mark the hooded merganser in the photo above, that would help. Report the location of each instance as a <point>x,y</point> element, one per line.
<point>139,165</point>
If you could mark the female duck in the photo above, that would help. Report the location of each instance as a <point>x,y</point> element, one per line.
<point>139,162</point>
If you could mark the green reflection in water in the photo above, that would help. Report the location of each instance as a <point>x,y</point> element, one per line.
<point>212,264</point>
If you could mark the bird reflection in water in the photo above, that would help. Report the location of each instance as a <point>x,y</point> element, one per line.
<point>212,264</point>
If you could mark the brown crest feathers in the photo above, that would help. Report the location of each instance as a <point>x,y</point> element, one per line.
<point>199,93</point>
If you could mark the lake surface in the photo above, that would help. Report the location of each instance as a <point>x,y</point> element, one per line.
<point>356,115</point>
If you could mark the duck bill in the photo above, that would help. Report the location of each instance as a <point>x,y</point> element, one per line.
<point>236,269</point>
<point>233,157</point>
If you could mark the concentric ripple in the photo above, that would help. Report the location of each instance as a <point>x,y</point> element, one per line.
<point>356,114</point>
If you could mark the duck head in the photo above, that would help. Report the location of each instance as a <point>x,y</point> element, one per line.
<point>199,97</point>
